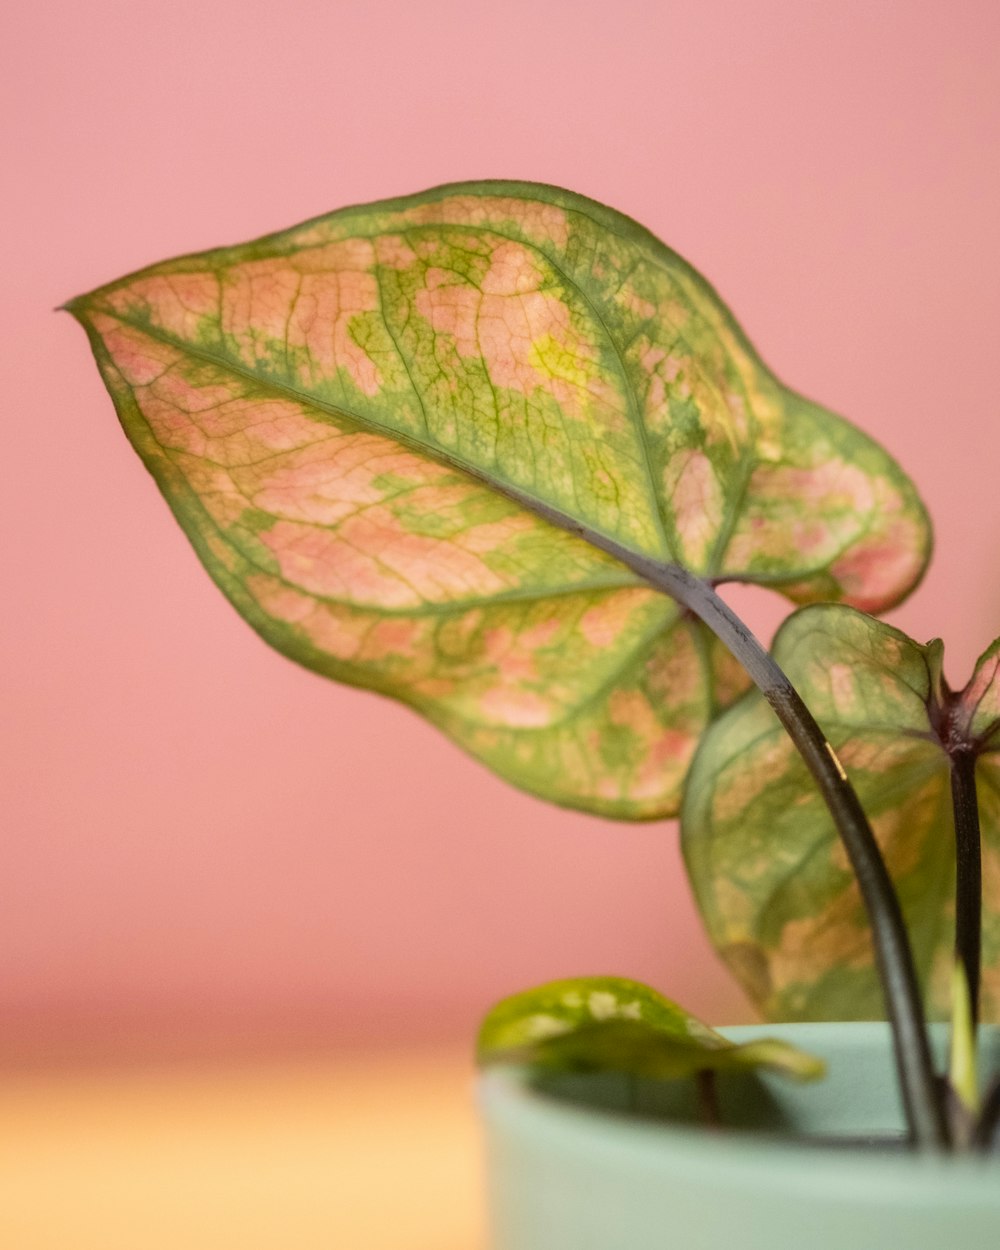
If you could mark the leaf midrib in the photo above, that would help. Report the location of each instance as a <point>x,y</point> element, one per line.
<point>637,561</point>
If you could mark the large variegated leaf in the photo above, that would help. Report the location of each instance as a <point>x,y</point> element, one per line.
<point>418,442</point>
<point>610,1024</point>
<point>770,875</point>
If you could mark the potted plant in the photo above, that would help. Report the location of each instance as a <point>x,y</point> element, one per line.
<point>491,450</point>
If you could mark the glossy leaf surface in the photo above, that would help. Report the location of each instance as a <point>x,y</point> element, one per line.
<point>403,438</point>
<point>609,1024</point>
<point>769,873</point>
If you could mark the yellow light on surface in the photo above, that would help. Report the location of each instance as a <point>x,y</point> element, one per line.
<point>374,1153</point>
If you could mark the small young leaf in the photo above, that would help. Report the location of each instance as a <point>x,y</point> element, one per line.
<point>417,444</point>
<point>980,707</point>
<point>769,873</point>
<point>609,1024</point>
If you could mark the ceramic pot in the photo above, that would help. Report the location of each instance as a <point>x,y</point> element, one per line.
<point>610,1163</point>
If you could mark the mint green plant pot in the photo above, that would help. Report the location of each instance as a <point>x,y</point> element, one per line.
<point>606,1163</point>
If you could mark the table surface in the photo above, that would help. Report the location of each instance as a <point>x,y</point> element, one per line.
<point>357,1153</point>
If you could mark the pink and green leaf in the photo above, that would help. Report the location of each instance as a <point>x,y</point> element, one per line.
<point>401,438</point>
<point>610,1024</point>
<point>769,873</point>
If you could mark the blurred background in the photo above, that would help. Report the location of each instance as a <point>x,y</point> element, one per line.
<point>250,918</point>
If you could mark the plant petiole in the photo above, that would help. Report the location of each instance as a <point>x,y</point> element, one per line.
<point>894,957</point>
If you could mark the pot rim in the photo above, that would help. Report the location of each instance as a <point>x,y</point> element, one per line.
<point>758,1159</point>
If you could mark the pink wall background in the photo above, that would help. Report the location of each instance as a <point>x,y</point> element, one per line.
<point>203,845</point>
